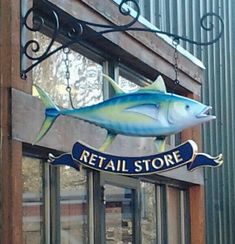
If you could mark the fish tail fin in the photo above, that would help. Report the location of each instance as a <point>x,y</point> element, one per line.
<point>51,113</point>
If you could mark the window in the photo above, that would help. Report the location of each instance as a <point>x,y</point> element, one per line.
<point>153,213</point>
<point>55,207</point>
<point>85,77</point>
<point>164,214</point>
<point>148,213</point>
<point>119,210</point>
<point>73,206</point>
<point>33,201</point>
<point>118,214</point>
<point>177,212</point>
<point>54,211</point>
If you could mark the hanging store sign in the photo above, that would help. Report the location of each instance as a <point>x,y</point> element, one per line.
<point>149,112</point>
<point>185,154</point>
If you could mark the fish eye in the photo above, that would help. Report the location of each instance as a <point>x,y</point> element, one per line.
<point>187,107</point>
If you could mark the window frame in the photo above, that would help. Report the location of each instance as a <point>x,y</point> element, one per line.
<point>127,182</point>
<point>45,210</point>
<point>161,194</point>
<point>94,200</point>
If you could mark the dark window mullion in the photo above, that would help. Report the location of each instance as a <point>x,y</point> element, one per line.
<point>163,213</point>
<point>55,204</point>
<point>110,68</point>
<point>185,217</point>
<point>91,207</point>
<point>158,196</point>
<point>46,199</point>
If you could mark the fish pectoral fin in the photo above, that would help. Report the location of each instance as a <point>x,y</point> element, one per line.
<point>149,110</point>
<point>160,144</point>
<point>108,140</point>
<point>118,90</point>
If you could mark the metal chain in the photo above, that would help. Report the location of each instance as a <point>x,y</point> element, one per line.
<point>66,51</point>
<point>176,57</point>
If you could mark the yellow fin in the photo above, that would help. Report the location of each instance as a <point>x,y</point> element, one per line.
<point>108,140</point>
<point>47,123</point>
<point>118,90</point>
<point>160,144</point>
<point>157,85</point>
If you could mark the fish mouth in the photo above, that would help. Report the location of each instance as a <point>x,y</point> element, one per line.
<point>204,114</point>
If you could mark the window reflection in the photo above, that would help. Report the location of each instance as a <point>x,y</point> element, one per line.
<point>127,85</point>
<point>32,201</point>
<point>177,210</point>
<point>73,206</point>
<point>148,213</point>
<point>118,214</point>
<point>85,76</point>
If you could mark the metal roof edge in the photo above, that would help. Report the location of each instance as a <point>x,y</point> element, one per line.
<point>167,39</point>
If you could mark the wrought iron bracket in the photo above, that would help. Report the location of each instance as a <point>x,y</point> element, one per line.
<point>44,15</point>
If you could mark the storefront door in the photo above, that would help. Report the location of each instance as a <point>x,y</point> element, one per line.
<point>120,210</point>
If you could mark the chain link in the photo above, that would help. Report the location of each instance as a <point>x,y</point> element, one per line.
<point>66,51</point>
<point>175,43</point>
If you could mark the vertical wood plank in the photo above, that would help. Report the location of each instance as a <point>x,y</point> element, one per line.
<point>196,192</point>
<point>197,215</point>
<point>11,192</point>
<point>5,60</point>
<point>16,81</point>
<point>11,151</point>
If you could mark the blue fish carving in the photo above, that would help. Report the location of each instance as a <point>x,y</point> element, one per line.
<point>147,112</point>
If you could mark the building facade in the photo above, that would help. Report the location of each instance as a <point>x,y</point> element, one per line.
<point>45,204</point>
<point>217,90</point>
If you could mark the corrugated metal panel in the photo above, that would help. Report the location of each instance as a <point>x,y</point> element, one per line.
<point>183,17</point>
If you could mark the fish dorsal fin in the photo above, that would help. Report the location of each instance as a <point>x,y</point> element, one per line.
<point>46,100</point>
<point>157,85</point>
<point>118,90</point>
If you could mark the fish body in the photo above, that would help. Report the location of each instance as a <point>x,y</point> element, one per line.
<point>148,112</point>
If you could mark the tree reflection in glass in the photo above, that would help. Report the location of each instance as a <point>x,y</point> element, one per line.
<point>148,213</point>
<point>85,76</point>
<point>33,229</point>
<point>73,206</point>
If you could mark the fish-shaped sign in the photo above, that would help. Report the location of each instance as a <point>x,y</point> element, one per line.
<point>147,112</point>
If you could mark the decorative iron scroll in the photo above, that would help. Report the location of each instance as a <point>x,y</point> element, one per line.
<point>51,16</point>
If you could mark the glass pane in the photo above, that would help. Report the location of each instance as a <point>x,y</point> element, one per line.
<point>173,211</point>
<point>85,76</point>
<point>73,206</point>
<point>148,213</point>
<point>132,5</point>
<point>32,174</point>
<point>127,85</point>
<point>147,9</point>
<point>118,215</point>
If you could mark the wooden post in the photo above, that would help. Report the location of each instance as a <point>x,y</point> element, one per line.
<point>11,151</point>
<point>196,192</point>
<point>197,215</point>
